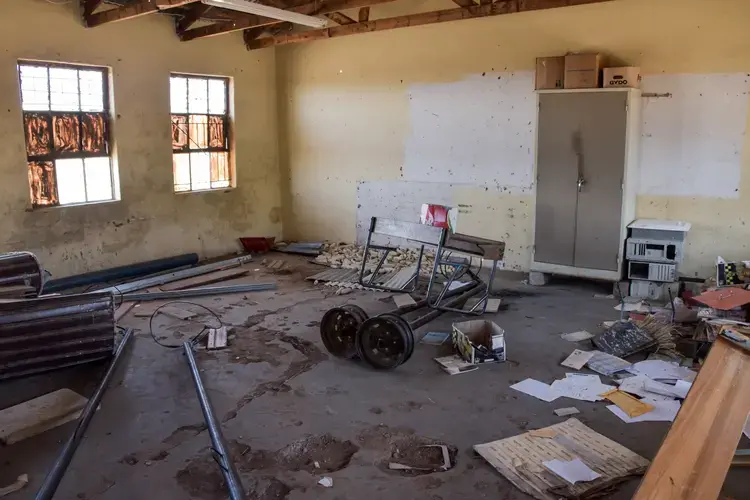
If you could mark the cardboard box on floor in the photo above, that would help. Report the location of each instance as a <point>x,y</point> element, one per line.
<point>479,341</point>
<point>550,72</point>
<point>622,77</point>
<point>582,71</point>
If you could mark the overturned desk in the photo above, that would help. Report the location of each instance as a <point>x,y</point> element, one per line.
<point>451,267</point>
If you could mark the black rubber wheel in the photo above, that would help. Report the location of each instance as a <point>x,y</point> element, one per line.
<point>406,328</point>
<point>338,330</point>
<point>382,343</point>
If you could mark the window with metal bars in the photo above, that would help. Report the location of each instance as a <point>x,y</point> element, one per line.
<point>66,124</point>
<point>200,132</point>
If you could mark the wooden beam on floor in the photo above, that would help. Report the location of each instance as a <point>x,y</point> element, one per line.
<point>500,7</point>
<point>339,18</point>
<point>132,10</point>
<point>192,16</point>
<point>311,8</point>
<point>695,456</point>
<point>364,14</point>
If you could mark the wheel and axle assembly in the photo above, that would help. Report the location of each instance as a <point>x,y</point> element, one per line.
<point>338,330</point>
<point>385,342</point>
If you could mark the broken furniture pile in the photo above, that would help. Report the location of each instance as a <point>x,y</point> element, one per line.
<point>40,332</point>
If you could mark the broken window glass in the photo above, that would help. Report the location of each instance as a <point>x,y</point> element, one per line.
<point>198,132</point>
<point>93,133</point>
<point>38,136</point>
<point>66,133</point>
<point>179,132</point>
<point>42,183</point>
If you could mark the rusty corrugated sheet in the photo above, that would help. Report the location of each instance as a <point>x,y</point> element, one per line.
<point>48,333</point>
<point>21,275</point>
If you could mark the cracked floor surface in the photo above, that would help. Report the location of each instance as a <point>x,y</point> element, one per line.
<point>291,413</point>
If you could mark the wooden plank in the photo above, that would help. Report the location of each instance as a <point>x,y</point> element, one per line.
<point>696,454</point>
<point>89,6</point>
<point>339,18</point>
<point>364,14</point>
<point>205,279</point>
<point>500,7</point>
<point>310,8</point>
<point>520,459</point>
<point>132,10</point>
<point>192,16</point>
<point>39,415</point>
<point>464,3</point>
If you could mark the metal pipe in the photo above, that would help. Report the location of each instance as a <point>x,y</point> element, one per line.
<point>423,320</point>
<point>222,457</point>
<point>423,302</point>
<point>139,269</point>
<point>199,292</point>
<point>163,279</point>
<point>21,269</point>
<point>52,481</point>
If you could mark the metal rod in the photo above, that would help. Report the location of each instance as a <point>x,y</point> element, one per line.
<point>179,275</point>
<point>423,320</point>
<point>52,481</point>
<point>221,456</point>
<point>199,292</point>
<point>423,302</point>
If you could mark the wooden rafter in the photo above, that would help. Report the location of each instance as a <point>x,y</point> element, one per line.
<point>89,6</point>
<point>192,16</point>
<point>364,14</point>
<point>315,7</point>
<point>500,7</point>
<point>339,18</point>
<point>135,9</point>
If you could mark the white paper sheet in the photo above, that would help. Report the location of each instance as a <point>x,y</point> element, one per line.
<point>681,388</point>
<point>577,359</point>
<point>582,387</point>
<point>664,411</point>
<point>577,336</point>
<point>539,390</point>
<point>639,385</point>
<point>657,369</point>
<point>572,471</point>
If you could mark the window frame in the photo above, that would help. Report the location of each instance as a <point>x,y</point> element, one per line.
<point>227,123</point>
<point>50,116</point>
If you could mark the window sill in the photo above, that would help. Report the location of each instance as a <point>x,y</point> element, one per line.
<point>70,205</point>
<point>203,191</point>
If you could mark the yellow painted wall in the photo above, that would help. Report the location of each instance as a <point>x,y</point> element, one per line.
<point>149,221</point>
<point>344,110</point>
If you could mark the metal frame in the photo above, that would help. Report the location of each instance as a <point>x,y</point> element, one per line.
<point>53,156</point>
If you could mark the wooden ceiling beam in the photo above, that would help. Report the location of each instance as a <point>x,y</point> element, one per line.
<point>132,10</point>
<point>339,18</point>
<point>500,7</point>
<point>192,16</point>
<point>316,7</point>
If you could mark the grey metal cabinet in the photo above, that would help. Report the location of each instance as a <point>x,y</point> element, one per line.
<point>586,166</point>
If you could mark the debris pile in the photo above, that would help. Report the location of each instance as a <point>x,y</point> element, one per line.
<point>349,256</point>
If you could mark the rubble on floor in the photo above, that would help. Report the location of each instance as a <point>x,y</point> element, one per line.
<point>349,256</point>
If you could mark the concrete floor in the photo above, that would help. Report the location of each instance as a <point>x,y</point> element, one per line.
<point>283,400</point>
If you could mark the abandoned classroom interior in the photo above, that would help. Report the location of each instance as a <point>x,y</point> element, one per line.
<point>339,249</point>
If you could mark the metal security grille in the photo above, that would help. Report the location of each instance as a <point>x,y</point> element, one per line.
<point>200,132</point>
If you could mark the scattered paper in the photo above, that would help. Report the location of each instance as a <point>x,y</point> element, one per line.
<point>577,336</point>
<point>681,388</point>
<point>453,365</point>
<point>636,384</point>
<point>564,412</point>
<point>578,359</point>
<point>664,411</point>
<point>573,471</point>
<point>631,307</point>
<point>582,387</point>
<point>435,338</point>
<point>606,364</point>
<point>456,284</point>
<point>631,406</point>
<point>539,390</point>
<point>604,296</point>
<point>656,369</point>
<point>326,481</point>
